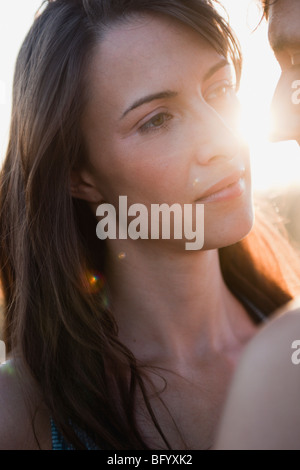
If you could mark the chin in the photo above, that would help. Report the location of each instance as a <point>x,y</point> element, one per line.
<point>286,132</point>
<point>229,229</point>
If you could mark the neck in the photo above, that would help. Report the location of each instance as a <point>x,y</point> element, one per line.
<point>173,304</point>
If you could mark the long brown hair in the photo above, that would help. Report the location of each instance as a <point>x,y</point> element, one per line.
<point>60,325</point>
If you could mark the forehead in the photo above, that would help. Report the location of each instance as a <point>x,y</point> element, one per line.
<point>284,25</point>
<point>145,53</point>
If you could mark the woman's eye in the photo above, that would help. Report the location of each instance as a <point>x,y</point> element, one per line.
<point>221,91</point>
<point>157,122</point>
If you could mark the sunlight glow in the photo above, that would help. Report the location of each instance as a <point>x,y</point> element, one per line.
<point>274,165</point>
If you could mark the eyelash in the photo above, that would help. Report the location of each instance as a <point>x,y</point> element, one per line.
<point>147,126</point>
<point>227,86</point>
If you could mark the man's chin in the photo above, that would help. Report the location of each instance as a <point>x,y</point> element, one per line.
<point>281,136</point>
<point>285,129</point>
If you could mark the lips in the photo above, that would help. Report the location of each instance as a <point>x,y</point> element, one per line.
<point>231,186</point>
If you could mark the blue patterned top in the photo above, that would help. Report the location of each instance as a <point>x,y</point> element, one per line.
<point>59,442</point>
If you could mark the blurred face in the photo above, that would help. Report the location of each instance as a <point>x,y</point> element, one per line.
<point>284,36</point>
<point>160,126</point>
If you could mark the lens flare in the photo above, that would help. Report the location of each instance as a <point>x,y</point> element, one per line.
<point>94,282</point>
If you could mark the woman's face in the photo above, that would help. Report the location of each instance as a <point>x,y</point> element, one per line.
<point>160,126</point>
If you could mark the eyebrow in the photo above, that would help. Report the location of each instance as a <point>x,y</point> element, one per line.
<point>214,69</point>
<point>149,98</point>
<point>171,94</point>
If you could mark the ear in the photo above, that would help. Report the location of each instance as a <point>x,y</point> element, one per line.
<point>84,187</point>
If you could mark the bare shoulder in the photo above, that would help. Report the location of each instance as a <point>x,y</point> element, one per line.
<point>262,410</point>
<point>274,341</point>
<point>24,422</point>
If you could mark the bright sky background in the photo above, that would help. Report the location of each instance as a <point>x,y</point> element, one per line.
<point>274,165</point>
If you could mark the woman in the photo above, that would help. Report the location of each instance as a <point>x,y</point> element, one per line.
<point>127,344</point>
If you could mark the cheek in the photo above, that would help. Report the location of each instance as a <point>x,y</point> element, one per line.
<point>286,107</point>
<point>230,112</point>
<point>153,171</point>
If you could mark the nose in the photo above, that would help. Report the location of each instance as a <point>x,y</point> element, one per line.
<point>218,138</point>
<point>285,108</point>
